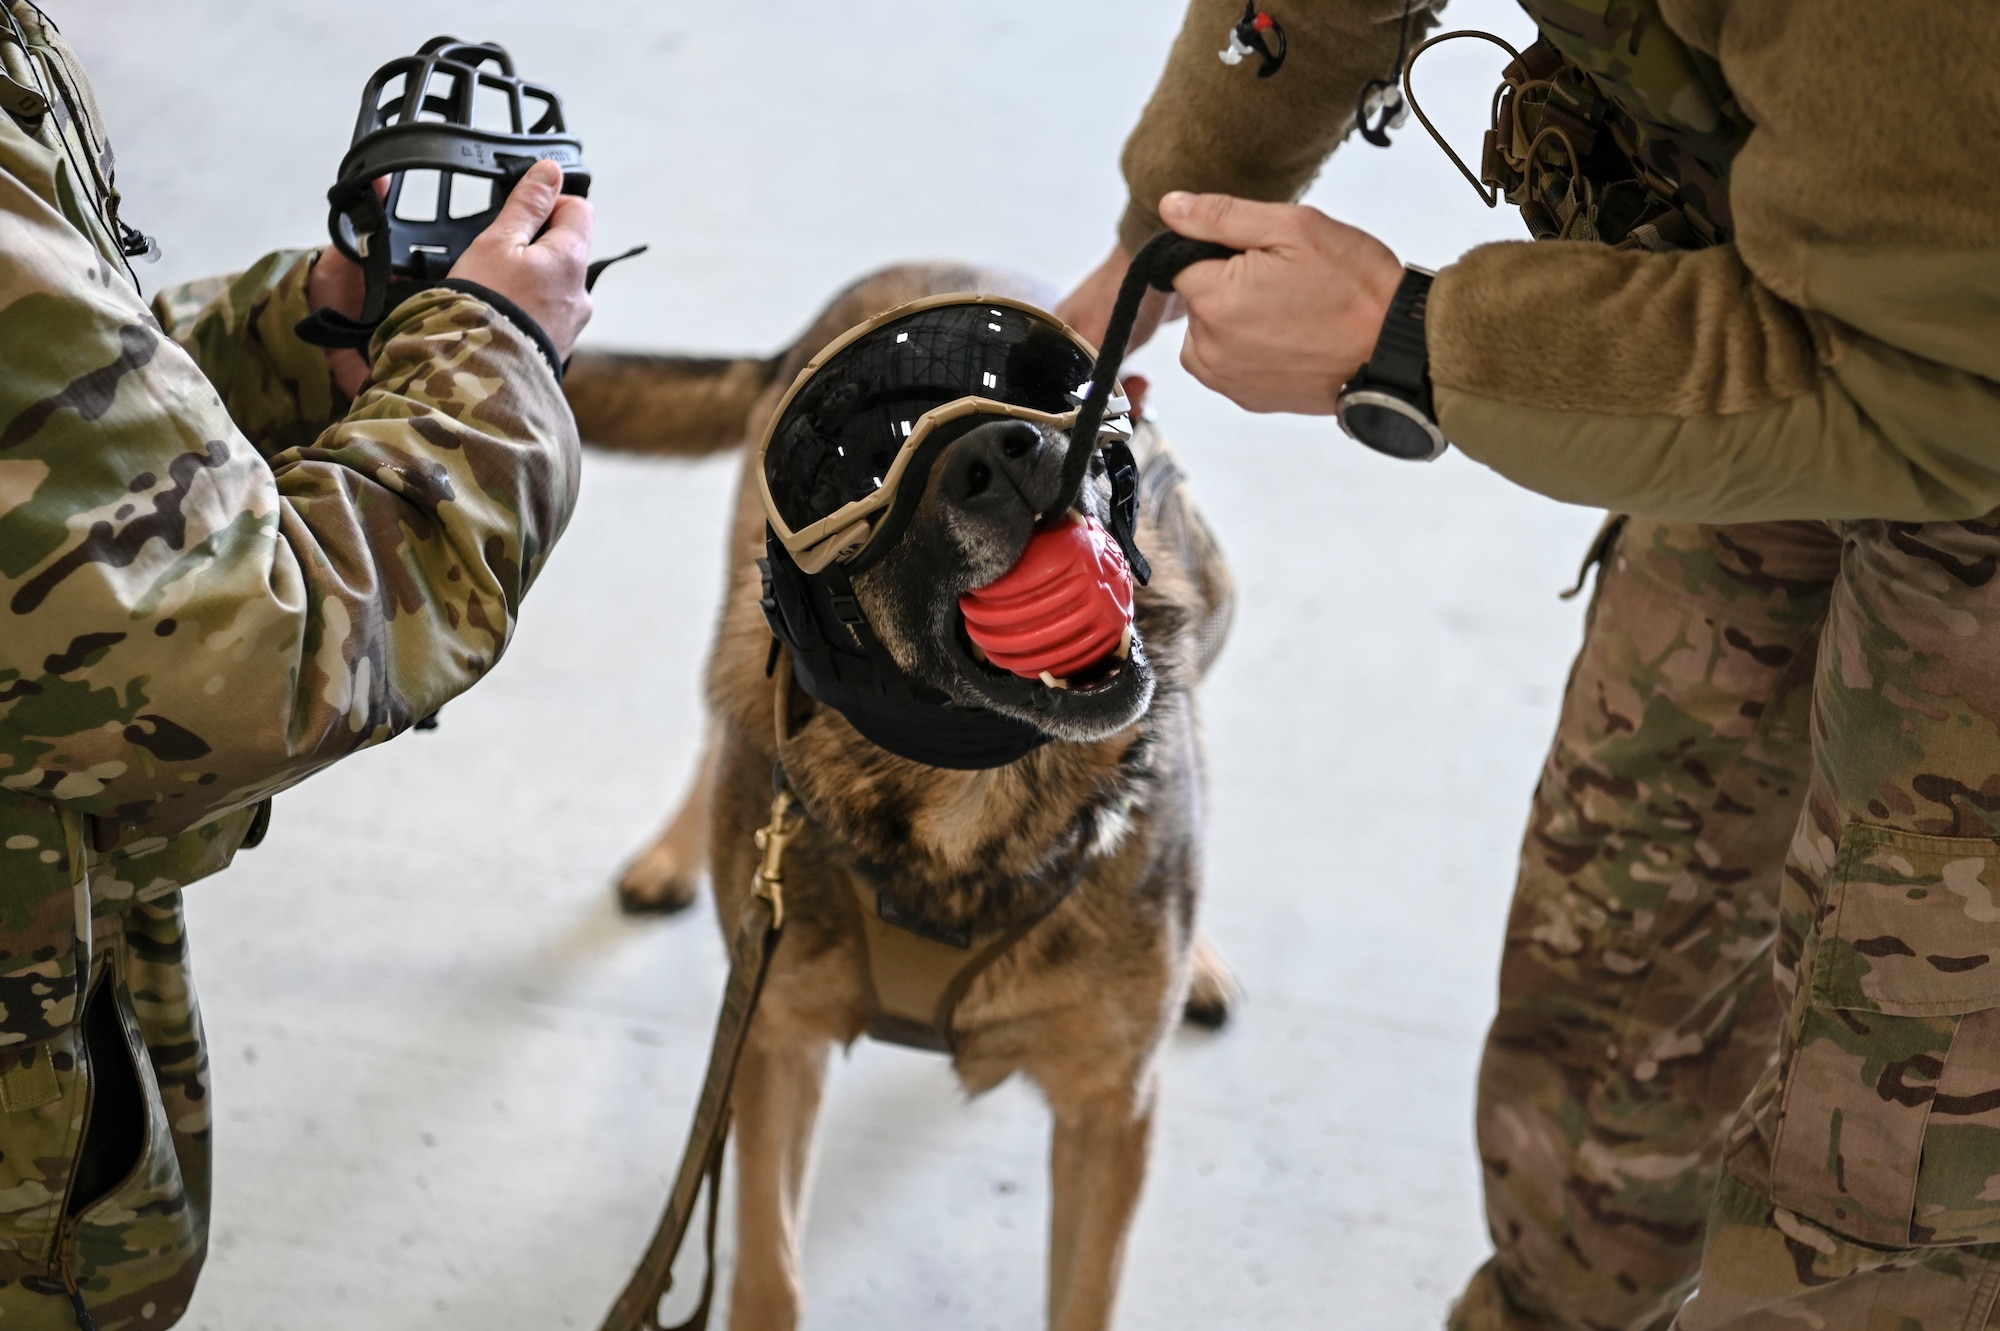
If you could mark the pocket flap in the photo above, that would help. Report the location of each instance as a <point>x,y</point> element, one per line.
<point>1913,926</point>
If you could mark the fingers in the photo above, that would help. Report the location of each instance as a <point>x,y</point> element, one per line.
<point>571,223</point>
<point>536,253</point>
<point>1192,362</point>
<point>530,205</point>
<point>1242,224</point>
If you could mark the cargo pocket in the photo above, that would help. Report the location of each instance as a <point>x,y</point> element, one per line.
<point>1890,1132</point>
<point>134,1230</point>
<point>116,1128</point>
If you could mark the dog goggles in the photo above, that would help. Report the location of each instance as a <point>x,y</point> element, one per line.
<point>853,426</point>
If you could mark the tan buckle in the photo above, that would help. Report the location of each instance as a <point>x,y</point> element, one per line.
<point>769,883</point>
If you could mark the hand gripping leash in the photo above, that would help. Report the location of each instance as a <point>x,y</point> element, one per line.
<point>1156,265</point>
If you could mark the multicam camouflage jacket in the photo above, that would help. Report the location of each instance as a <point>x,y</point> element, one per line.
<point>217,575</point>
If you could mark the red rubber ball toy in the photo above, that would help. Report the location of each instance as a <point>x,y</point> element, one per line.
<point>1066,604</point>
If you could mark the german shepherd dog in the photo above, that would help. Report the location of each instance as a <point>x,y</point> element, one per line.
<point>1105,820</point>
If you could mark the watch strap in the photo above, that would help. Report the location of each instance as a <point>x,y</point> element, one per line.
<point>1388,405</point>
<point>1402,361</point>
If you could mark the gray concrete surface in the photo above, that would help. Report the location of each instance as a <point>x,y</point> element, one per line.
<point>451,1082</point>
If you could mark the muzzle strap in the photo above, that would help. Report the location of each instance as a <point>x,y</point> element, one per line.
<point>328,327</point>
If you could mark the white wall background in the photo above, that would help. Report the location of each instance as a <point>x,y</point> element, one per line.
<point>451,1082</point>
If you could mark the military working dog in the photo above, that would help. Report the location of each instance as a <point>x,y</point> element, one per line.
<point>1091,842</point>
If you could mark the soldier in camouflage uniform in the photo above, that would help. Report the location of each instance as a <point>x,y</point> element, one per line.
<point>1773,340</point>
<point>221,568</point>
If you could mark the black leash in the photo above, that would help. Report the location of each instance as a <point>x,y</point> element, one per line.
<point>700,1173</point>
<point>1156,265</point>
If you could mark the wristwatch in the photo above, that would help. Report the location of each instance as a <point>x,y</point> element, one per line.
<point>1388,405</point>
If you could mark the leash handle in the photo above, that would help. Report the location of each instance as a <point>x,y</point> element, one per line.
<point>1156,265</point>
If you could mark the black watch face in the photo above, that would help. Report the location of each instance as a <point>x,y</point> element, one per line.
<point>1388,431</point>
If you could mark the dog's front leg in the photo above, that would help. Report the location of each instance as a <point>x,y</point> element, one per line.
<point>664,877</point>
<point>778,1088</point>
<point>1097,1163</point>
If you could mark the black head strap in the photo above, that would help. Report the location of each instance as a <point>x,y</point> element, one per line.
<point>328,327</point>
<point>840,663</point>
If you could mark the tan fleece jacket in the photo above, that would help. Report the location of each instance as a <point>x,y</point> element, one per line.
<point>1841,358</point>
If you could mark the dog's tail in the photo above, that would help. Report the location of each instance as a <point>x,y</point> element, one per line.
<point>667,406</point>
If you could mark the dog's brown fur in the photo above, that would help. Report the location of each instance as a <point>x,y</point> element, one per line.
<point>680,406</point>
<point>1082,1005</point>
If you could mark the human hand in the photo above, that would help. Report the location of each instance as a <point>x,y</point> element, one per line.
<point>337,281</point>
<point>541,271</point>
<point>1088,308</point>
<point>1283,325</point>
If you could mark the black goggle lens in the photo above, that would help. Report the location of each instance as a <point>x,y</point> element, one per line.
<point>842,430</point>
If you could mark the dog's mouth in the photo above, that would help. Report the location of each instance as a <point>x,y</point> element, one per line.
<point>1099,676</point>
<point>1087,704</point>
<point>1052,640</point>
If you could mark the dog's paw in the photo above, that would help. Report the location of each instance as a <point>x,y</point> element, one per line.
<point>657,883</point>
<point>1214,991</point>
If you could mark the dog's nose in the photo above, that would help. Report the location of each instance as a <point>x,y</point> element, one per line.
<point>994,465</point>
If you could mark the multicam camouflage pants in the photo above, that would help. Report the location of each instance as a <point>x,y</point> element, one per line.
<point>1778,760</point>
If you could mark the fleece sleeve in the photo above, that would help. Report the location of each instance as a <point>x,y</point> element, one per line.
<point>1839,359</point>
<point>1217,128</point>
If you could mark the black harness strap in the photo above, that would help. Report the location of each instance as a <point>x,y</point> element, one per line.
<point>841,663</point>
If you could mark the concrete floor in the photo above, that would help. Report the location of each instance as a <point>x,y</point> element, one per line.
<point>451,1081</point>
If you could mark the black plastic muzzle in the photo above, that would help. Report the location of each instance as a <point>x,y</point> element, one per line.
<point>454,129</point>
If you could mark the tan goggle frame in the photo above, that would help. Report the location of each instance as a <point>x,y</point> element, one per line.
<point>841,534</point>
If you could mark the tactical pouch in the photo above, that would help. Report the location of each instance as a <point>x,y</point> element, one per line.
<point>1580,167</point>
<point>1890,1125</point>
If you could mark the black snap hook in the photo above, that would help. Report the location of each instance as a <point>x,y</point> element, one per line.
<point>1380,109</point>
<point>1258,34</point>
